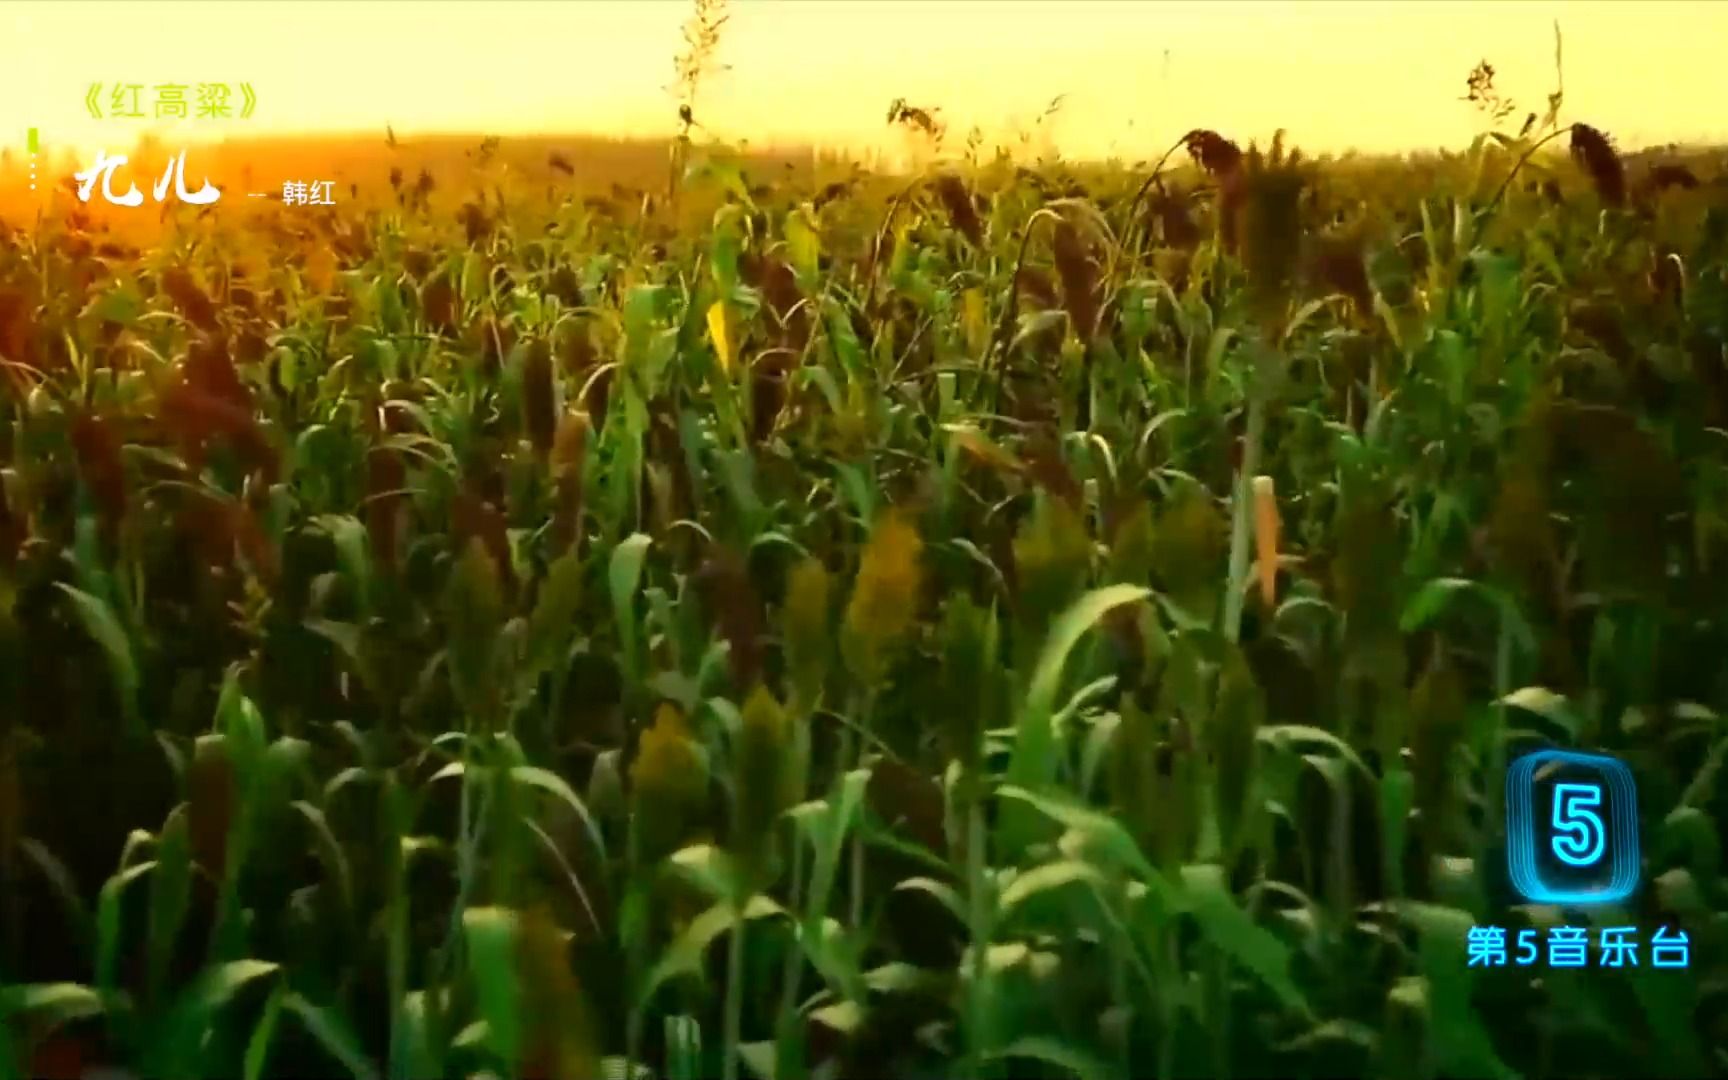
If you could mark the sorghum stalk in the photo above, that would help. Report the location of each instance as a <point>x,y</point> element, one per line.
<point>1238,578</point>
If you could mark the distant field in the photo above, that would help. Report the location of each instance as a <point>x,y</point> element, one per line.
<point>361,167</point>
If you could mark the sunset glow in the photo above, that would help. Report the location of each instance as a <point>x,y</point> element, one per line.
<point>1372,76</point>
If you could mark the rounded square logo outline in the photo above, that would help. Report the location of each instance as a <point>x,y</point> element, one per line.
<point>1521,829</point>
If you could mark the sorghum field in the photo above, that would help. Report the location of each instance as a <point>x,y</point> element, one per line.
<point>998,621</point>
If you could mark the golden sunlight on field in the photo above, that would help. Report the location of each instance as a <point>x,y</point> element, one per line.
<point>1374,76</point>
<point>630,586</point>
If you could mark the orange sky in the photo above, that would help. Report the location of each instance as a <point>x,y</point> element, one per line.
<point>1377,76</point>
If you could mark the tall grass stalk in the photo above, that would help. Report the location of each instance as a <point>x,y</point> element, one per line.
<point>734,993</point>
<point>853,749</point>
<point>1120,992</point>
<point>1236,582</point>
<point>468,817</point>
<point>1497,753</point>
<point>785,1018</point>
<point>1169,1006</point>
<point>978,920</point>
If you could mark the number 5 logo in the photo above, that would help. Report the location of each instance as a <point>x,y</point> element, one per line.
<point>1585,849</point>
<point>1578,834</point>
